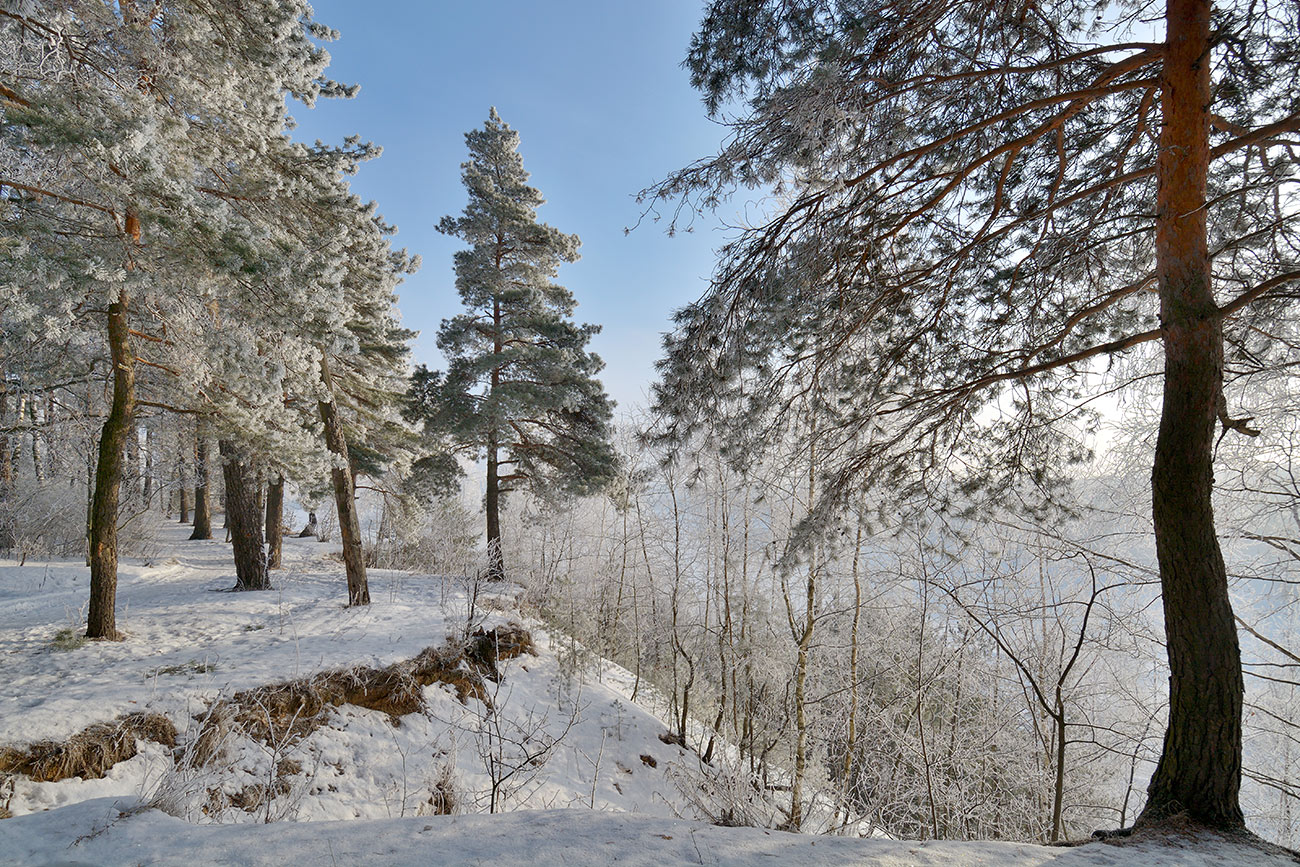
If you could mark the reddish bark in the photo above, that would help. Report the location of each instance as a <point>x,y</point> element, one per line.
<point>1199,772</point>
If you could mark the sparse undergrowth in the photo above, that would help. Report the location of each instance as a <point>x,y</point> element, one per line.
<point>68,639</point>
<point>190,668</point>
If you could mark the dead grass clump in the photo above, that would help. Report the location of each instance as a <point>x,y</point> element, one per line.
<point>285,713</point>
<point>91,752</point>
<point>512,640</point>
<point>391,690</point>
<point>275,715</point>
<point>487,647</point>
<point>250,799</point>
<point>69,639</point>
<point>444,666</point>
<point>214,727</point>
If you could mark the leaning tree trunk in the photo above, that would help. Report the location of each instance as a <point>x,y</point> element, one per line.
<point>274,524</point>
<point>345,495</point>
<point>1200,766</point>
<point>245,522</point>
<point>101,621</point>
<point>202,509</point>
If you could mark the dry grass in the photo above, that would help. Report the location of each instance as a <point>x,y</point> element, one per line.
<point>511,640</point>
<point>442,798</point>
<point>89,753</point>
<point>69,639</point>
<point>250,799</point>
<point>280,714</point>
<point>285,713</point>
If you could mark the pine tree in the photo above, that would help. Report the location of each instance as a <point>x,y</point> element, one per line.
<point>144,150</point>
<point>983,203</point>
<point>520,389</point>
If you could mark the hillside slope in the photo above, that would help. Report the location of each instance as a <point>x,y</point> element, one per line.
<point>523,737</point>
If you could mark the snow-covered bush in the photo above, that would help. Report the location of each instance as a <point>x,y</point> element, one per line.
<point>43,519</point>
<point>436,539</point>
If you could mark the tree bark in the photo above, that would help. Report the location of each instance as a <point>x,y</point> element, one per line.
<point>33,410</point>
<point>16,446</point>
<point>101,621</point>
<point>245,522</point>
<point>274,528</point>
<point>202,510</point>
<point>345,498</point>
<point>1199,772</point>
<point>147,489</point>
<point>182,489</point>
<point>496,570</point>
<point>6,460</point>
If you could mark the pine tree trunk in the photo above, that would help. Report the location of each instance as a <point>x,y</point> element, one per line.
<point>245,522</point>
<point>496,570</point>
<point>6,462</point>
<point>274,528</point>
<point>101,621</point>
<point>202,510</point>
<point>16,447</point>
<point>50,456</point>
<point>345,499</point>
<point>182,487</point>
<point>38,469</point>
<point>1200,766</point>
<point>147,490</point>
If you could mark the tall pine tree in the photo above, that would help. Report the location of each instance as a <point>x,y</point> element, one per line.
<point>144,160</point>
<point>981,205</point>
<point>520,389</point>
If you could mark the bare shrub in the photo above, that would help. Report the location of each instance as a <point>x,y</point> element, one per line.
<point>436,538</point>
<point>46,519</point>
<point>442,799</point>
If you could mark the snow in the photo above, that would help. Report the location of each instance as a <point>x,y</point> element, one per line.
<point>95,832</point>
<point>605,787</point>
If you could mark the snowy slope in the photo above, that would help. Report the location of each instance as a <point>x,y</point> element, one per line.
<point>565,743</point>
<point>189,642</point>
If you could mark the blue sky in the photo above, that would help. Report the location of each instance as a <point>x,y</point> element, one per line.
<point>597,92</point>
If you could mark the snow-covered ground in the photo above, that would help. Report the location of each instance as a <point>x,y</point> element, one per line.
<point>545,837</point>
<point>553,742</point>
